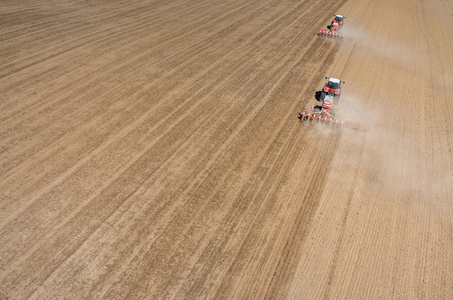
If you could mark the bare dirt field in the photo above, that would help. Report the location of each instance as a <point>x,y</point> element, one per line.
<point>151,149</point>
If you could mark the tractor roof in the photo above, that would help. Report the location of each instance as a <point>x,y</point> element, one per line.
<point>339,16</point>
<point>334,80</point>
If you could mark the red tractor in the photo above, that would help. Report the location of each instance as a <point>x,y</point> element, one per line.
<point>338,20</point>
<point>333,86</point>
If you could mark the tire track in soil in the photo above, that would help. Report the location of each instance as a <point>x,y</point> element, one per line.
<point>97,207</point>
<point>263,272</point>
<point>262,189</point>
<point>339,243</point>
<point>287,265</point>
<point>161,62</point>
<point>166,288</point>
<point>257,287</point>
<point>49,154</point>
<point>134,33</point>
<point>82,28</point>
<point>127,64</point>
<point>167,160</point>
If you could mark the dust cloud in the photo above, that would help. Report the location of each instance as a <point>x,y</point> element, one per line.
<point>353,111</point>
<point>387,157</point>
<point>388,49</point>
<point>391,158</point>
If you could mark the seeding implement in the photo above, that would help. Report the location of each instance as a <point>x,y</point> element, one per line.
<point>321,115</point>
<point>330,34</point>
<point>313,113</point>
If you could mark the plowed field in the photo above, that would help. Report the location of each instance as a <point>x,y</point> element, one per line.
<point>151,149</point>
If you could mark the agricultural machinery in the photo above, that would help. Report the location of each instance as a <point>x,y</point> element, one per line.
<point>320,113</point>
<point>330,34</point>
<point>330,95</point>
<point>331,31</point>
<point>324,116</point>
<point>327,100</point>
<point>316,113</point>
<point>339,20</point>
<point>333,86</point>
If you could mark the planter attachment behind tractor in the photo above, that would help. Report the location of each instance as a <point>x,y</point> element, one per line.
<point>321,115</point>
<point>330,34</point>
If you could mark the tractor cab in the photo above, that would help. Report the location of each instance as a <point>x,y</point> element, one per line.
<point>339,19</point>
<point>333,86</point>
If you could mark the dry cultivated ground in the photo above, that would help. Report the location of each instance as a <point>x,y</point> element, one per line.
<point>151,149</point>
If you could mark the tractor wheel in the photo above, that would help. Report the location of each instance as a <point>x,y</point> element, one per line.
<point>322,96</point>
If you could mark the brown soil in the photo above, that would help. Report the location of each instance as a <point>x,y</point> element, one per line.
<point>151,149</point>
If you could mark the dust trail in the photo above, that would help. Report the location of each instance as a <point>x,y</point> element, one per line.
<point>387,161</point>
<point>391,159</point>
<point>403,53</point>
<point>350,111</point>
<point>353,111</point>
<point>397,162</point>
<point>352,33</point>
